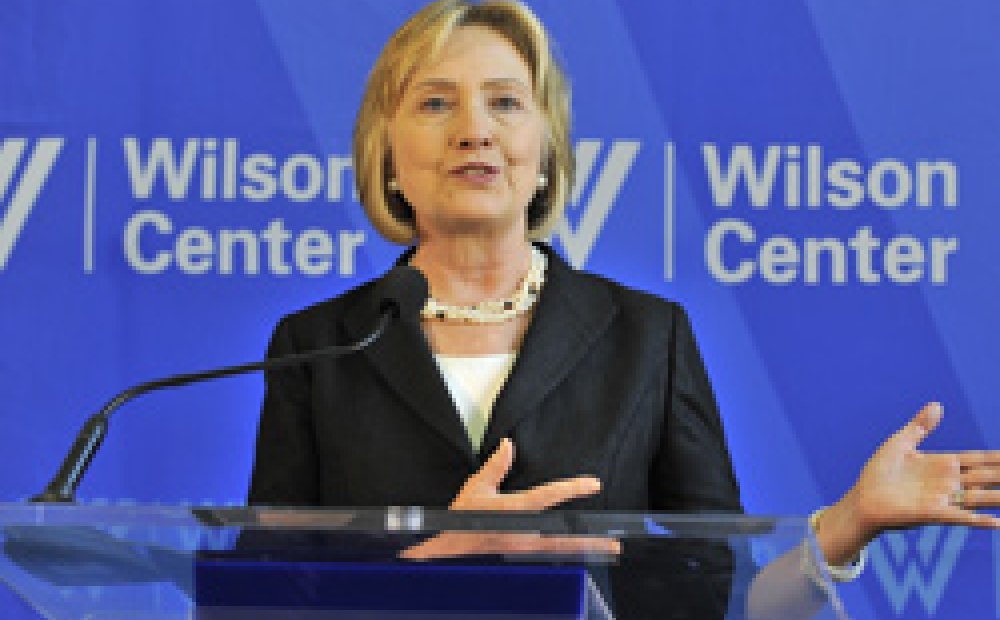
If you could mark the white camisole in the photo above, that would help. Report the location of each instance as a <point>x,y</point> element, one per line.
<point>474,382</point>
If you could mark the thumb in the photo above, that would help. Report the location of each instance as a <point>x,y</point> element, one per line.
<point>495,469</point>
<point>921,425</point>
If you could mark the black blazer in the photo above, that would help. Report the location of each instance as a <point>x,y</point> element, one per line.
<point>608,382</point>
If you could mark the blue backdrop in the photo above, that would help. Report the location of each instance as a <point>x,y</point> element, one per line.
<point>813,180</point>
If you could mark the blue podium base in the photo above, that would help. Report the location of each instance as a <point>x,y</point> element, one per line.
<point>226,590</point>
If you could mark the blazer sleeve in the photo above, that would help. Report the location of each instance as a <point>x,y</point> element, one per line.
<point>286,469</point>
<point>692,470</point>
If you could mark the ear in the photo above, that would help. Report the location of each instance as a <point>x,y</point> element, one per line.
<point>540,206</point>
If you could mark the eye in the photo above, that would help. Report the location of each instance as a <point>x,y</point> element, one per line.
<point>434,104</point>
<point>506,103</point>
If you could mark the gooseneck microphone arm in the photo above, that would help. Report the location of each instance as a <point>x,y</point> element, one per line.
<point>406,290</point>
<point>63,486</point>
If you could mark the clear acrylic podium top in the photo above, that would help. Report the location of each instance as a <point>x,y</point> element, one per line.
<point>103,562</point>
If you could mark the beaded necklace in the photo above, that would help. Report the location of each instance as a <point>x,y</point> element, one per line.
<point>496,310</point>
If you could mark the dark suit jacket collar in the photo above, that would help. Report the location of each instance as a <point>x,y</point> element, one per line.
<point>572,312</point>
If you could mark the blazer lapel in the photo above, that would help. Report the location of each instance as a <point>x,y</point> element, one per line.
<point>572,312</point>
<point>403,358</point>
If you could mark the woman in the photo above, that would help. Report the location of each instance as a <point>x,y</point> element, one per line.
<point>462,151</point>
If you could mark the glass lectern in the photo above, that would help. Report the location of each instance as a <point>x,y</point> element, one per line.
<point>165,562</point>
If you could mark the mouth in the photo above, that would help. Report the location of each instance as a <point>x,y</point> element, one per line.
<point>476,173</point>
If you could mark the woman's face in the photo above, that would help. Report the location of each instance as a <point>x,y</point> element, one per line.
<point>467,139</point>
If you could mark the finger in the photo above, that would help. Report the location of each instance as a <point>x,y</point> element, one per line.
<point>444,545</point>
<point>981,498</point>
<point>456,544</point>
<point>960,516</point>
<point>452,544</point>
<point>566,545</point>
<point>979,458</point>
<point>524,542</point>
<point>578,544</point>
<point>981,477</point>
<point>496,468</point>
<point>926,420</point>
<point>552,493</point>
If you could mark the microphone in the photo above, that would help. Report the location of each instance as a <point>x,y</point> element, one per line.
<point>402,294</point>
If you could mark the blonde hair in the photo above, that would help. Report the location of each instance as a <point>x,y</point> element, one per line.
<point>421,38</point>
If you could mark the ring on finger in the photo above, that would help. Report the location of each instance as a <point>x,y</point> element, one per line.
<point>957,497</point>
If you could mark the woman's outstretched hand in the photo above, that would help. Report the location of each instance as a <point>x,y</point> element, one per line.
<point>481,491</point>
<point>901,486</point>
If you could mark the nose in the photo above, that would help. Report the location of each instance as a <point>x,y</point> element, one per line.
<point>473,142</point>
<point>473,129</point>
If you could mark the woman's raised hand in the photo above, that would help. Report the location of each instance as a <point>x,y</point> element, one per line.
<point>481,491</point>
<point>902,486</point>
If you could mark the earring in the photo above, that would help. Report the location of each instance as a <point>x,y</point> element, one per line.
<point>543,181</point>
<point>393,185</point>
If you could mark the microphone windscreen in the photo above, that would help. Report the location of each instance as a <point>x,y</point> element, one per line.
<point>405,289</point>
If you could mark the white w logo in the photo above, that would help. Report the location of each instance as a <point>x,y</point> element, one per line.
<point>902,574</point>
<point>580,242</point>
<point>21,200</point>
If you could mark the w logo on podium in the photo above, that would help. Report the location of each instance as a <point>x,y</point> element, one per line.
<point>18,198</point>
<point>920,564</point>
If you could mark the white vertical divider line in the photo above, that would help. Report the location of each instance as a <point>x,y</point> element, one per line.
<point>88,205</point>
<point>668,211</point>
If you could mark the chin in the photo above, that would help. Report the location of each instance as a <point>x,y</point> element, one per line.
<point>484,219</point>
